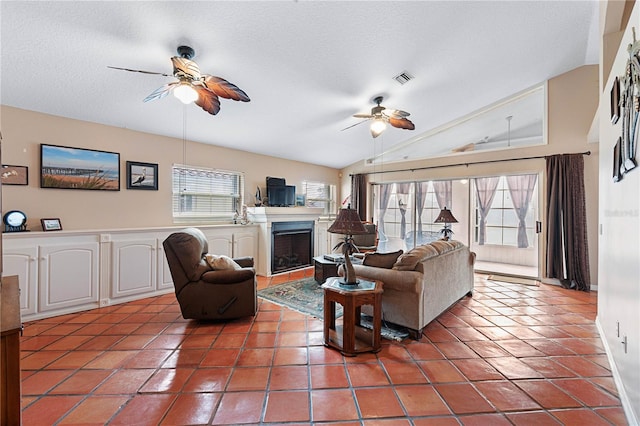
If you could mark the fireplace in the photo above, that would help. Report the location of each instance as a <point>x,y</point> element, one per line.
<point>291,245</point>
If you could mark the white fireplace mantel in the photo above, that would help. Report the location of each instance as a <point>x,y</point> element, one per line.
<point>265,216</point>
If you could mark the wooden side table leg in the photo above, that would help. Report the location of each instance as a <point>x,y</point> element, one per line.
<point>329,317</point>
<point>348,329</point>
<point>377,322</point>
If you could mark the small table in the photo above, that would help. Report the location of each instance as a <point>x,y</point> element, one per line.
<point>351,338</point>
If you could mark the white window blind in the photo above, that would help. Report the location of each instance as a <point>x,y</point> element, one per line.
<point>203,193</point>
<point>319,195</point>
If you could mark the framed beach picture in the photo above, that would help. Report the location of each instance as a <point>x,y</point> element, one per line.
<point>142,175</point>
<point>78,168</point>
<point>14,175</point>
<point>52,224</point>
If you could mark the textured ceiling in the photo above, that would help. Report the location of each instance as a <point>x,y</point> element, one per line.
<point>307,66</point>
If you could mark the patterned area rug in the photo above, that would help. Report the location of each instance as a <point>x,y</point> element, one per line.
<point>307,296</point>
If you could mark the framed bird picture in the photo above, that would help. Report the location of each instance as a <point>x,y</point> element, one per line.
<point>142,175</point>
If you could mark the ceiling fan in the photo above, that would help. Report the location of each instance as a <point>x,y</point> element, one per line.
<point>193,86</point>
<point>381,115</point>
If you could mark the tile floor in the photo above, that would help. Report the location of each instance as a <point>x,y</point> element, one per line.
<point>511,355</point>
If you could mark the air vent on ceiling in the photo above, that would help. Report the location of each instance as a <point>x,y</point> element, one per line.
<point>403,77</point>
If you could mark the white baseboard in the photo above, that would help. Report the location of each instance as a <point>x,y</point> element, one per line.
<point>624,399</point>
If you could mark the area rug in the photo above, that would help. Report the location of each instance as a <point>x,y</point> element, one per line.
<point>307,296</point>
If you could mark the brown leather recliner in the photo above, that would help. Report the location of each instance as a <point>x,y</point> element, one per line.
<point>204,293</point>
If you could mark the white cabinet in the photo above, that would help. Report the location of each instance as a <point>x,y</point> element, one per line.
<point>22,261</point>
<point>69,271</point>
<point>245,243</point>
<point>133,266</point>
<point>220,242</point>
<point>233,242</point>
<point>68,275</point>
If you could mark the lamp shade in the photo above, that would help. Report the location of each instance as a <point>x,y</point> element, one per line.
<point>445,216</point>
<point>377,127</point>
<point>348,223</point>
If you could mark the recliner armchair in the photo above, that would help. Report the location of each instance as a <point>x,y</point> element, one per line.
<point>203,293</point>
<point>369,241</point>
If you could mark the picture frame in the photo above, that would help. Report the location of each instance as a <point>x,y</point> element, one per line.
<point>14,175</point>
<point>142,176</point>
<point>617,160</point>
<point>51,224</point>
<point>63,167</point>
<point>615,101</point>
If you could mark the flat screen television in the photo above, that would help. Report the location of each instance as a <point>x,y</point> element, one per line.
<point>281,196</point>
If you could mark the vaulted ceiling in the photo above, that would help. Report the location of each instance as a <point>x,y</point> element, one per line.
<point>307,66</point>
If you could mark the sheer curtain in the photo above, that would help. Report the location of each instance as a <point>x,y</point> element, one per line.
<point>384,194</point>
<point>421,194</point>
<point>567,245</point>
<point>485,190</point>
<point>404,189</point>
<point>521,188</point>
<point>442,189</point>
<point>359,195</point>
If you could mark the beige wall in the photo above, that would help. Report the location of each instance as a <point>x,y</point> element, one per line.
<point>571,105</point>
<point>24,131</point>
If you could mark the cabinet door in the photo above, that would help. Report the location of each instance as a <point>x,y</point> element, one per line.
<point>245,244</point>
<point>22,262</point>
<point>68,275</point>
<point>133,267</point>
<point>221,243</point>
<point>164,273</point>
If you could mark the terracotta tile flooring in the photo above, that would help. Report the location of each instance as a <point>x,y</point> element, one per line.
<point>511,355</point>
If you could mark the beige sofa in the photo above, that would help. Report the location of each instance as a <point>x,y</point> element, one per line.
<point>420,284</point>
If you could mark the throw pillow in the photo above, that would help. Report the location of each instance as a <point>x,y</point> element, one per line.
<point>409,260</point>
<point>221,262</point>
<point>381,260</point>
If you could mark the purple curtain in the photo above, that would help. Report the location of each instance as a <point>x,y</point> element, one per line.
<point>521,188</point>
<point>567,245</point>
<point>485,190</point>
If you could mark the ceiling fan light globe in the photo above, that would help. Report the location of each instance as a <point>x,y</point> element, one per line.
<point>185,93</point>
<point>377,127</point>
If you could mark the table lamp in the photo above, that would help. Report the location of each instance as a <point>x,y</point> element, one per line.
<point>348,223</point>
<point>446,217</point>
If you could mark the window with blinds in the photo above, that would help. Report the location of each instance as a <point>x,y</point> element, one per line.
<point>319,195</point>
<point>201,193</point>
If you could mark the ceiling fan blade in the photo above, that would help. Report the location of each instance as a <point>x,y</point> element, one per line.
<point>363,115</point>
<point>185,68</point>
<point>401,123</point>
<point>465,148</point>
<point>395,113</point>
<point>140,71</point>
<point>207,100</point>
<point>224,89</point>
<point>354,125</point>
<point>161,92</point>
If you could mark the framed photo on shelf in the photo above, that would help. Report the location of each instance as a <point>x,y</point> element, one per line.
<point>615,101</point>
<point>14,175</point>
<point>142,175</point>
<point>52,224</point>
<point>65,167</point>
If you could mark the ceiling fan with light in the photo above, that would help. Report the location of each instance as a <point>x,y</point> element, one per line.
<point>193,86</point>
<point>381,115</point>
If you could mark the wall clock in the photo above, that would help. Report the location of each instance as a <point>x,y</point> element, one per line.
<point>15,221</point>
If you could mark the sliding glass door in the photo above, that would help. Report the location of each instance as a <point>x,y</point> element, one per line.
<point>497,217</point>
